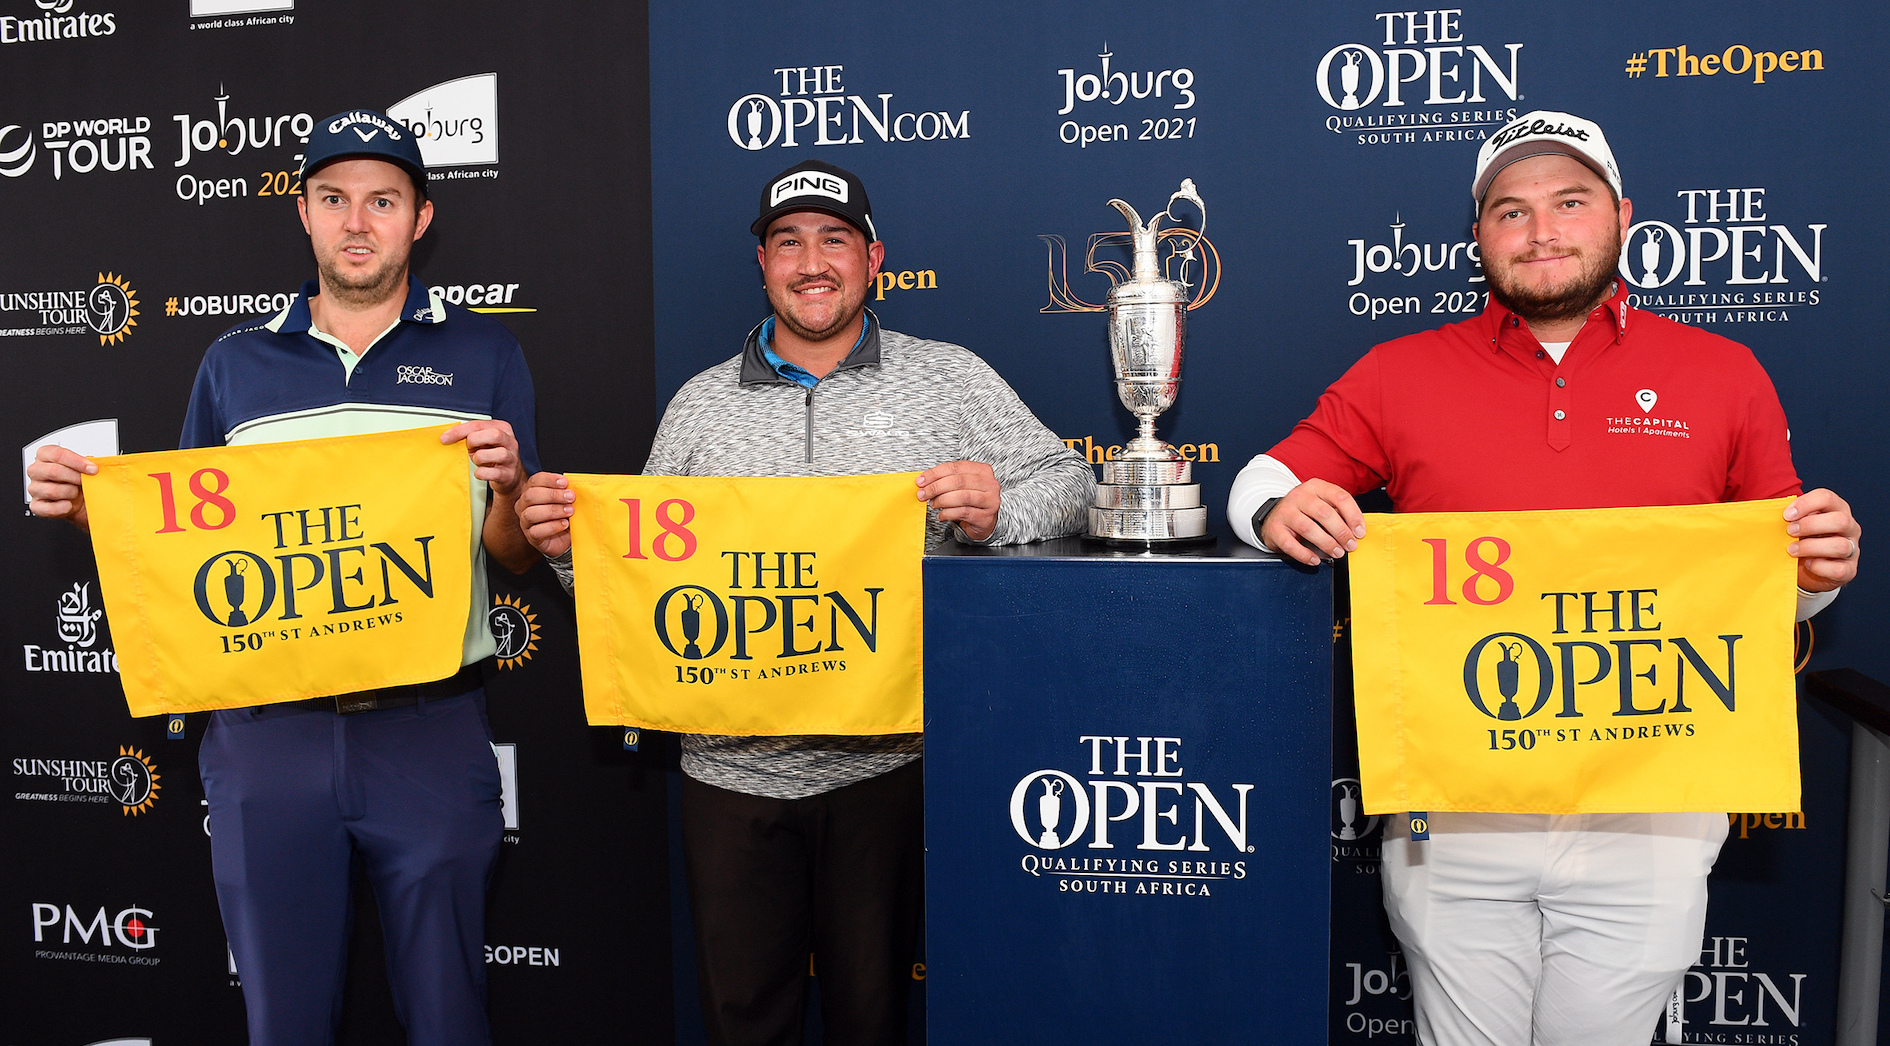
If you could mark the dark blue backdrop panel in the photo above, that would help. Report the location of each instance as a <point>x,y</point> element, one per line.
<point>1126,767</point>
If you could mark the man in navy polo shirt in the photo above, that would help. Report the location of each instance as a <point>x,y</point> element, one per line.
<point>404,780</point>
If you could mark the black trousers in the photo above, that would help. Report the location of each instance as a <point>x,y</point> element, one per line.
<point>839,876</point>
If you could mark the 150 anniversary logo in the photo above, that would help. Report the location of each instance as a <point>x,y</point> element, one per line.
<point>1630,659</point>
<point>239,576</point>
<point>749,606</point>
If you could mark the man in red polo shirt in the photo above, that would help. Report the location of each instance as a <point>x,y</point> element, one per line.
<point>1527,928</point>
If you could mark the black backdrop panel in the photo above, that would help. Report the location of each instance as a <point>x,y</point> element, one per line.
<point>157,152</point>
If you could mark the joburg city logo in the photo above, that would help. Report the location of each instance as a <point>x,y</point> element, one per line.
<point>457,125</point>
<point>814,107</point>
<point>1735,61</point>
<point>56,21</point>
<point>233,14</point>
<point>98,438</point>
<point>129,929</point>
<point>515,629</point>
<point>108,308</point>
<point>1381,83</point>
<point>1053,810</point>
<point>1164,90</point>
<point>1748,266</point>
<point>507,755</point>
<point>130,780</point>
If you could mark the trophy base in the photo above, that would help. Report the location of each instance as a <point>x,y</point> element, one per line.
<point>1149,525</point>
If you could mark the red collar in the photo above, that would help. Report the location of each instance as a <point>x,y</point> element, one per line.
<point>1500,324</point>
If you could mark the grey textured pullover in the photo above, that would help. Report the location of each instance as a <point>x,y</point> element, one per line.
<point>895,404</point>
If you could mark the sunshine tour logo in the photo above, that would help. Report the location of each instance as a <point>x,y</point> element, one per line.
<point>108,308</point>
<point>1512,676</point>
<point>813,103</point>
<point>240,588</point>
<point>766,592</point>
<point>1355,77</point>
<point>131,780</point>
<point>1053,810</point>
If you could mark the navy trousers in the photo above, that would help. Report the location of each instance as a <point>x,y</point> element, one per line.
<point>295,794</point>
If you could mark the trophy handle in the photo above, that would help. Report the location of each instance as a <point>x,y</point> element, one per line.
<point>1186,192</point>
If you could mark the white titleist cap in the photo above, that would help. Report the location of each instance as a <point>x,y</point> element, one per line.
<point>1539,133</point>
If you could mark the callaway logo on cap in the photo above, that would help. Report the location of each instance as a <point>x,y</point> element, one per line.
<point>816,186</point>
<point>364,134</point>
<point>1540,133</point>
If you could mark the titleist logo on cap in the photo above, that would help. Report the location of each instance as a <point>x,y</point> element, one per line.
<point>808,183</point>
<point>1523,130</point>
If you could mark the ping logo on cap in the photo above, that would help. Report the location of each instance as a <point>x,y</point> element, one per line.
<point>808,183</point>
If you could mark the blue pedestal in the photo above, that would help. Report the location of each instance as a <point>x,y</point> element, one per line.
<point>1127,764</point>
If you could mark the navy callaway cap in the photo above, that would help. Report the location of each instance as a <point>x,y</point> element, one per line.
<point>812,185</point>
<point>364,134</point>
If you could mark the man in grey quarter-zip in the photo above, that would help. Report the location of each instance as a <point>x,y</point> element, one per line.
<point>815,844</point>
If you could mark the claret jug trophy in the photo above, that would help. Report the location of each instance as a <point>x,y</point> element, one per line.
<point>1147,498</point>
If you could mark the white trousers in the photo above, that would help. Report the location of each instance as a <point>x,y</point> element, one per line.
<point>1548,930</point>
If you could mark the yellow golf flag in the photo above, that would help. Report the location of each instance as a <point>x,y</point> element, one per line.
<point>749,606</point>
<point>238,576</point>
<point>1583,661</point>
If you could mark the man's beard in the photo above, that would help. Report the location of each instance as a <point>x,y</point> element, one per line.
<point>842,319</point>
<point>1571,300</point>
<point>363,290</point>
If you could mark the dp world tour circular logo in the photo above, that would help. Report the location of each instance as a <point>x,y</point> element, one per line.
<point>515,628</point>
<point>134,781</point>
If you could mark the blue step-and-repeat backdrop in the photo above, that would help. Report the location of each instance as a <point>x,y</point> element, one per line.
<point>597,167</point>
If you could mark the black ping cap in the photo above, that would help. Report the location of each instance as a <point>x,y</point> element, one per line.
<point>813,185</point>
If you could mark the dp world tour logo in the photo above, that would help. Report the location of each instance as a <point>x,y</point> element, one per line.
<point>16,159</point>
